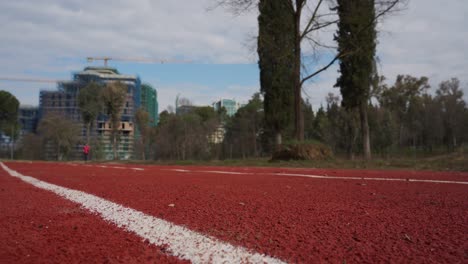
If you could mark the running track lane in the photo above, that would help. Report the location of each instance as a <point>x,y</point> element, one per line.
<point>36,226</point>
<point>297,219</point>
<point>179,241</point>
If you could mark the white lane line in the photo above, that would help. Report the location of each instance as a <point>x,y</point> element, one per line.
<point>115,167</point>
<point>178,170</point>
<point>124,168</point>
<point>217,172</point>
<point>227,172</point>
<point>367,178</point>
<point>326,177</point>
<point>180,241</point>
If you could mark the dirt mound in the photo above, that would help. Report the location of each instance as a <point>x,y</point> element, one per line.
<point>303,152</point>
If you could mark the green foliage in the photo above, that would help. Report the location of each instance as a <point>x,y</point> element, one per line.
<point>31,147</point>
<point>276,59</point>
<point>450,97</point>
<point>60,133</point>
<point>383,129</point>
<point>9,114</point>
<point>309,117</point>
<point>244,130</point>
<point>186,136</point>
<point>90,104</point>
<point>142,121</point>
<point>320,125</point>
<point>205,113</point>
<point>113,96</point>
<point>405,92</point>
<point>356,39</point>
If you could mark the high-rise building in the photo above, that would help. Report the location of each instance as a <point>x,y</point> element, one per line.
<point>64,102</point>
<point>230,105</point>
<point>149,102</point>
<point>28,116</point>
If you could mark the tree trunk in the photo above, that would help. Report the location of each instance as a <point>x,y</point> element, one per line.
<point>298,118</point>
<point>365,131</point>
<point>351,127</point>
<point>143,146</point>
<point>278,141</point>
<point>58,151</point>
<point>114,147</point>
<point>12,145</point>
<point>88,130</point>
<point>254,141</point>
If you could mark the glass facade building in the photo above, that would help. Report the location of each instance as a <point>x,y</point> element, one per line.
<point>149,102</point>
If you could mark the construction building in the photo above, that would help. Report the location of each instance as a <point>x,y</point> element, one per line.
<point>149,102</point>
<point>28,117</point>
<point>64,102</point>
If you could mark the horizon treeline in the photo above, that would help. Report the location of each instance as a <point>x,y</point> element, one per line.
<point>404,118</point>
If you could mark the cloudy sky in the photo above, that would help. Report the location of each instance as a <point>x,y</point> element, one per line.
<point>50,39</point>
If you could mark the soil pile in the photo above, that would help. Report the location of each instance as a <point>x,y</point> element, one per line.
<point>305,151</point>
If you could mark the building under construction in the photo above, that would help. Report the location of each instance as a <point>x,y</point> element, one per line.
<point>149,102</point>
<point>64,102</point>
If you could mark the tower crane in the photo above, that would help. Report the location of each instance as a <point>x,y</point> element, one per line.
<point>21,79</point>
<point>91,59</point>
<point>142,60</point>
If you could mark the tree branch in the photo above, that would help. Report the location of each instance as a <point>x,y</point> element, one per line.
<point>311,20</point>
<point>391,5</point>
<point>321,70</point>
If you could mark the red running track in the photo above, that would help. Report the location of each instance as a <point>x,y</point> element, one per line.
<point>296,219</point>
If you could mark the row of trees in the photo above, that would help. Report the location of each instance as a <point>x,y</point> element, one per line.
<point>403,117</point>
<point>204,133</point>
<point>287,28</point>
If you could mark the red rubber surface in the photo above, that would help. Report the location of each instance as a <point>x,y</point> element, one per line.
<point>296,219</point>
<point>37,226</point>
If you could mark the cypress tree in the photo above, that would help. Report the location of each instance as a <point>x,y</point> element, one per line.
<point>356,39</point>
<point>276,59</point>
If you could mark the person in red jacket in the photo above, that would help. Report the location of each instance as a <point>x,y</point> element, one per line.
<point>86,149</point>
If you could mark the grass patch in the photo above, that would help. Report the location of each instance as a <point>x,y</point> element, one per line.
<point>457,161</point>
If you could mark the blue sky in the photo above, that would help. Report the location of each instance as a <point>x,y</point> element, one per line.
<point>50,39</point>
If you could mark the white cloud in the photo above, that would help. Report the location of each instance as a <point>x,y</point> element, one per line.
<point>51,38</point>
